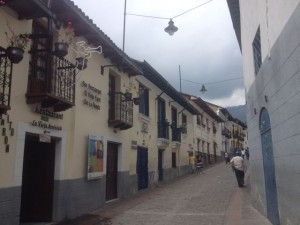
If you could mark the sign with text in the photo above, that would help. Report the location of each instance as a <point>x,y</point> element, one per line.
<point>92,95</point>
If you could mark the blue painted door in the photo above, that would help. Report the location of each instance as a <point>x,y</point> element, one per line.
<point>142,168</point>
<point>269,168</point>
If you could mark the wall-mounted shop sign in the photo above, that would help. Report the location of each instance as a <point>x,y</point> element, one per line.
<point>92,95</point>
<point>45,125</point>
<point>45,112</point>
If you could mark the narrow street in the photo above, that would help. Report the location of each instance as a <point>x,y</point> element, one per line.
<point>211,198</point>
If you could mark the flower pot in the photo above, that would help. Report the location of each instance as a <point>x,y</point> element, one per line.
<point>14,54</point>
<point>136,101</point>
<point>61,49</point>
<point>128,96</point>
<point>81,63</point>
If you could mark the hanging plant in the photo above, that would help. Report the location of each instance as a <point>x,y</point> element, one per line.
<point>65,39</point>
<point>17,43</point>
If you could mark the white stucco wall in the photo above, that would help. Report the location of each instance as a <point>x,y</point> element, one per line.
<point>271,18</point>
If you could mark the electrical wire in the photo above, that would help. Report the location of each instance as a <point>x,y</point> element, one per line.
<point>158,17</point>
<point>237,78</point>
<point>191,9</point>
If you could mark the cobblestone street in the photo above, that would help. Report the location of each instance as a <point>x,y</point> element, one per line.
<point>211,198</point>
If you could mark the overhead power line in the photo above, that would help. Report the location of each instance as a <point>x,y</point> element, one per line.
<point>221,81</point>
<point>159,17</point>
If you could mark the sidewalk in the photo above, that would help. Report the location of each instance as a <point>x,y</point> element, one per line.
<point>211,198</point>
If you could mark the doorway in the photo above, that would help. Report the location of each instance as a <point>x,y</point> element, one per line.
<point>269,167</point>
<point>142,167</point>
<point>160,165</point>
<point>112,171</point>
<point>37,180</point>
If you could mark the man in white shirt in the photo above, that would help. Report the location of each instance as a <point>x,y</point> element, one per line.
<point>237,163</point>
<point>243,151</point>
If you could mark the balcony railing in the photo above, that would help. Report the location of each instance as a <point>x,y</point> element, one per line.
<point>163,130</point>
<point>176,134</point>
<point>51,81</point>
<point>5,81</point>
<point>120,111</point>
<point>226,132</point>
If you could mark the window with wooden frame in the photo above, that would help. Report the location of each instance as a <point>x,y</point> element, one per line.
<point>144,100</point>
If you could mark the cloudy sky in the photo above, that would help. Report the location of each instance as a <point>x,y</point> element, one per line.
<point>205,45</point>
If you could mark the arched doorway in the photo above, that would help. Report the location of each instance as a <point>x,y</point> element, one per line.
<point>269,167</point>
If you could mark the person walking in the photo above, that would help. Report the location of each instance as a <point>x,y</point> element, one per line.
<point>226,156</point>
<point>199,164</point>
<point>237,163</point>
<point>192,162</point>
<point>243,152</point>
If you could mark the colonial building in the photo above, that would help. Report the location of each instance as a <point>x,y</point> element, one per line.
<point>81,122</point>
<point>268,34</point>
<point>234,131</point>
<point>207,134</point>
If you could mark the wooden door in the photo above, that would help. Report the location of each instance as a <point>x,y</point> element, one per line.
<point>112,171</point>
<point>37,181</point>
<point>160,165</point>
<point>142,167</point>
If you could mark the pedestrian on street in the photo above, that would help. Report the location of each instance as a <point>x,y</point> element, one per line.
<point>237,163</point>
<point>243,152</point>
<point>247,153</point>
<point>192,162</point>
<point>226,156</point>
<point>199,164</point>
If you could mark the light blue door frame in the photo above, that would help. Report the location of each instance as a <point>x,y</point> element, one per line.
<point>269,168</point>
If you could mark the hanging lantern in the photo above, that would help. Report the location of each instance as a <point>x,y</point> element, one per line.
<point>203,89</point>
<point>171,29</point>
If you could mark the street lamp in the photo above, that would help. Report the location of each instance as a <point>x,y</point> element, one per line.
<point>203,89</point>
<point>171,29</point>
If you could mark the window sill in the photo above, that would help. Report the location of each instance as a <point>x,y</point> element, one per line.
<point>144,118</point>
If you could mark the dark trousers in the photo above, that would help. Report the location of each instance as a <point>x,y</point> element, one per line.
<point>240,177</point>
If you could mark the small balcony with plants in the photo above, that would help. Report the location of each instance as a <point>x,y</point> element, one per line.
<point>120,111</point>
<point>51,81</point>
<point>52,78</point>
<point>226,132</point>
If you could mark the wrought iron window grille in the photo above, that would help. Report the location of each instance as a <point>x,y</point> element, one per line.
<point>5,81</point>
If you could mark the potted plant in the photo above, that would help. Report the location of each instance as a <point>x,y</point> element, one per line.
<point>81,63</point>
<point>66,37</point>
<point>136,101</point>
<point>16,44</point>
<point>128,93</point>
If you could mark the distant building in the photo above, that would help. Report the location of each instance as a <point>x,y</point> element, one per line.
<point>234,131</point>
<point>268,35</point>
<point>207,132</point>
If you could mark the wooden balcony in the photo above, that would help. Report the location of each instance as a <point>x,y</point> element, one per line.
<point>120,111</point>
<point>51,81</point>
